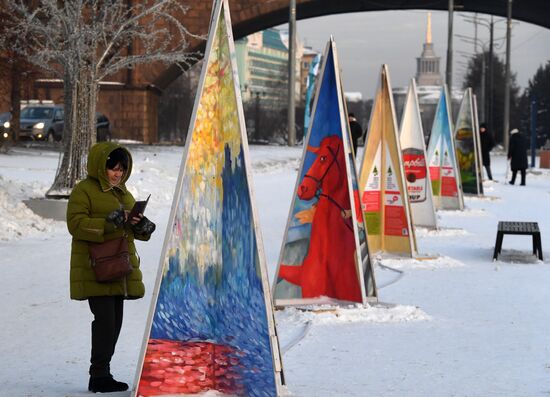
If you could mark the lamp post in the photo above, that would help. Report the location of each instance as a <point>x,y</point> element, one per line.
<point>507,78</point>
<point>257,116</point>
<point>292,74</point>
<point>486,92</point>
<point>490,25</point>
<point>477,42</point>
<point>491,75</point>
<point>449,69</point>
<point>534,112</point>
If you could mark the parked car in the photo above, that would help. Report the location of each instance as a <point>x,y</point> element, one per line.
<point>41,122</point>
<point>46,122</point>
<point>5,126</point>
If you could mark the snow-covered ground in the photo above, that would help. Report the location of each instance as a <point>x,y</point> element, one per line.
<point>462,325</point>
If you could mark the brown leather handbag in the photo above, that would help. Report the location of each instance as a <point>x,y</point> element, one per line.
<point>110,259</point>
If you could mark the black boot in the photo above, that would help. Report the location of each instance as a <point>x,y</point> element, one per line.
<point>106,385</point>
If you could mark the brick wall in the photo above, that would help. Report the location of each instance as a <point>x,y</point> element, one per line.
<point>132,105</point>
<point>131,111</point>
<point>5,93</point>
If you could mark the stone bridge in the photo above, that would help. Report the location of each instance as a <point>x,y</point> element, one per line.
<point>131,102</point>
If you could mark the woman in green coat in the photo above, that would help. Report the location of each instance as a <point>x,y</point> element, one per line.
<point>97,211</point>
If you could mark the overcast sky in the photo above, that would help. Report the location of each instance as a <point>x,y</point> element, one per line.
<point>368,39</point>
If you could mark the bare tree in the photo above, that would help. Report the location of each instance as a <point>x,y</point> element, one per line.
<point>85,41</point>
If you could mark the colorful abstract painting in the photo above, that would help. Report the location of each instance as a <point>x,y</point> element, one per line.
<point>211,327</point>
<point>442,159</point>
<point>384,199</point>
<point>467,151</point>
<point>321,255</point>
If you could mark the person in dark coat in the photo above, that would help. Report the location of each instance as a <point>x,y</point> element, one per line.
<point>487,144</point>
<point>97,211</point>
<point>356,130</point>
<point>517,154</point>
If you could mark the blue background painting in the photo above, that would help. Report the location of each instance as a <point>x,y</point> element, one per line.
<point>225,305</point>
<point>442,127</point>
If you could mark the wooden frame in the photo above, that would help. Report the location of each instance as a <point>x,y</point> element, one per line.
<point>344,127</point>
<point>219,7</point>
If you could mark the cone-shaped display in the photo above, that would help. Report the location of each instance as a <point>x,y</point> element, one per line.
<point>384,198</point>
<point>211,323</point>
<point>442,160</point>
<point>324,252</point>
<point>467,146</point>
<point>414,162</point>
<point>477,137</point>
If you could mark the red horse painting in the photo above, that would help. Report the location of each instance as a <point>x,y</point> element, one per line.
<point>329,267</point>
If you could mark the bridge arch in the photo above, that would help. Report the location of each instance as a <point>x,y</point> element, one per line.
<point>132,101</point>
<point>251,16</point>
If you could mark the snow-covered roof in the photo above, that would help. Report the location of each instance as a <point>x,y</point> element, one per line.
<point>429,93</point>
<point>353,96</point>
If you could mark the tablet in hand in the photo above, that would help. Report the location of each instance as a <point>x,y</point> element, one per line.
<point>138,208</point>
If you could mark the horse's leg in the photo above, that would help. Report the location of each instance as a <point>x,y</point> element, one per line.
<point>314,277</point>
<point>292,274</point>
<point>341,267</point>
<point>331,281</point>
<point>315,274</point>
<point>349,286</point>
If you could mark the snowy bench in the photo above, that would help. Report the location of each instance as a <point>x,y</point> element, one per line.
<point>524,228</point>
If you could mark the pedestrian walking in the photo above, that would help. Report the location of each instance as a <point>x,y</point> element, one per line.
<point>517,154</point>
<point>487,144</point>
<point>356,130</point>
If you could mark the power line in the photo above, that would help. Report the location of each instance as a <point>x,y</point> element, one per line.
<point>529,38</point>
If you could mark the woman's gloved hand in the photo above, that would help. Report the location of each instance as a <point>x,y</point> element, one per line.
<point>117,218</point>
<point>144,227</point>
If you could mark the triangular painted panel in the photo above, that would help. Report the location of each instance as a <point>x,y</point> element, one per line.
<point>368,273</point>
<point>211,324</point>
<point>321,258</point>
<point>384,198</point>
<point>442,159</point>
<point>477,136</point>
<point>467,141</point>
<point>413,149</point>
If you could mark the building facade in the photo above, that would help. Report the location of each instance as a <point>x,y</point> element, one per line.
<point>262,63</point>
<point>308,56</point>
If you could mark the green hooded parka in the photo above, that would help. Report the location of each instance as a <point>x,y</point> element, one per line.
<point>90,202</point>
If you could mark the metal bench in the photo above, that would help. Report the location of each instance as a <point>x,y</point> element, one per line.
<point>525,228</point>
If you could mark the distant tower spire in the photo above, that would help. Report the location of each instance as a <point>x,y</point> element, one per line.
<point>429,29</point>
<point>427,65</point>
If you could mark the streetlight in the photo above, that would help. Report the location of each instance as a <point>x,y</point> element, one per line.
<point>535,111</point>
<point>484,111</point>
<point>507,78</point>
<point>257,116</point>
<point>489,25</point>
<point>449,68</point>
<point>291,73</point>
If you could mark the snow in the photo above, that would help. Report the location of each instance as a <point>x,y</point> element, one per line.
<point>327,315</point>
<point>443,262</point>
<point>453,322</point>
<point>441,232</point>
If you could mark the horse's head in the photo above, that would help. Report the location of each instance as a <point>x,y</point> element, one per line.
<point>326,168</point>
